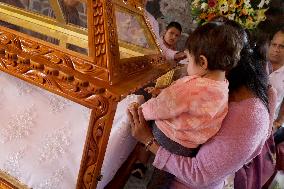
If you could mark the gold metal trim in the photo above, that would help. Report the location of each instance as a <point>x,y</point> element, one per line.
<point>58,11</point>
<point>129,52</point>
<point>135,49</point>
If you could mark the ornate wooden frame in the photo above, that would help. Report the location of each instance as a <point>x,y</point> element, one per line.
<point>95,81</point>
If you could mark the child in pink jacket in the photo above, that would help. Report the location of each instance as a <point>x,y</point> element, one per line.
<point>191,110</point>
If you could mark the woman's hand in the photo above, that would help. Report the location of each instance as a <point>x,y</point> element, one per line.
<point>179,56</point>
<point>139,127</point>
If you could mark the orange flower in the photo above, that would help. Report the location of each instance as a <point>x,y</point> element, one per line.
<point>244,12</point>
<point>202,16</point>
<point>210,16</point>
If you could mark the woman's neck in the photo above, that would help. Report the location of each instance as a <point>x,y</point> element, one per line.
<point>217,75</point>
<point>240,94</point>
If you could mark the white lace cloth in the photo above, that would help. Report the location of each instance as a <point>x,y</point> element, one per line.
<point>120,143</point>
<point>42,135</point>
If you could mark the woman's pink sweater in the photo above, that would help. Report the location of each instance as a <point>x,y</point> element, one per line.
<point>241,137</point>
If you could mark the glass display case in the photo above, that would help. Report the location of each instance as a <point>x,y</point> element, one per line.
<point>64,23</point>
<point>59,58</point>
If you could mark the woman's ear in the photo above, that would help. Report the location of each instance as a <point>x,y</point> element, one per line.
<point>203,62</point>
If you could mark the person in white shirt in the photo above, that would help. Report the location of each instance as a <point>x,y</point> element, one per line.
<point>276,78</point>
<point>168,39</point>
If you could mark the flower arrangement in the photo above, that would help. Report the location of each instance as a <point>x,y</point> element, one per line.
<point>249,13</point>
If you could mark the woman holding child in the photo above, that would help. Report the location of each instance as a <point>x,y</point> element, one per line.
<point>245,128</point>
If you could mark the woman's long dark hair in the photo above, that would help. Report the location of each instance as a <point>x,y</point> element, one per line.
<point>249,71</point>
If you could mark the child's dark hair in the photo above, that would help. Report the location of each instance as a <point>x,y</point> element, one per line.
<point>218,42</point>
<point>249,71</point>
<point>174,25</point>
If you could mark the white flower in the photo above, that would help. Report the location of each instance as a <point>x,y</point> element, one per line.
<point>231,16</point>
<point>267,2</point>
<point>247,2</point>
<point>260,5</point>
<point>204,6</point>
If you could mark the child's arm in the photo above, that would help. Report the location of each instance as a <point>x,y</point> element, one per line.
<point>190,96</point>
<point>168,104</point>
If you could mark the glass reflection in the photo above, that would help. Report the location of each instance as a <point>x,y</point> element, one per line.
<point>38,6</point>
<point>130,30</point>
<point>75,12</point>
<point>60,22</point>
<point>134,37</point>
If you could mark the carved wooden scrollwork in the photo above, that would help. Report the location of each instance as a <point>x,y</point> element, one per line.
<point>99,33</point>
<point>111,25</point>
<point>100,124</point>
<point>58,73</point>
<point>23,51</point>
<point>47,68</point>
<point>139,63</point>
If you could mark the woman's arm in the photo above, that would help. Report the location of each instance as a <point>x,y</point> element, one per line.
<point>239,140</point>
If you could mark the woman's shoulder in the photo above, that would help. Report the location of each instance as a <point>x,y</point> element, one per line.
<point>252,104</point>
<point>249,109</point>
<point>247,121</point>
<point>250,112</point>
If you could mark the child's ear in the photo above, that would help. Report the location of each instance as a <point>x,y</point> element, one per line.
<point>203,62</point>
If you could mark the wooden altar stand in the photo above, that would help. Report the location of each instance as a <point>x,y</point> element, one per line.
<point>109,70</point>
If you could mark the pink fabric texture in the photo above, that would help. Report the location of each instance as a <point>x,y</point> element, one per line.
<point>257,172</point>
<point>241,138</point>
<point>190,111</point>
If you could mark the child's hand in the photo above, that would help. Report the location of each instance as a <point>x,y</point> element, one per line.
<point>153,91</point>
